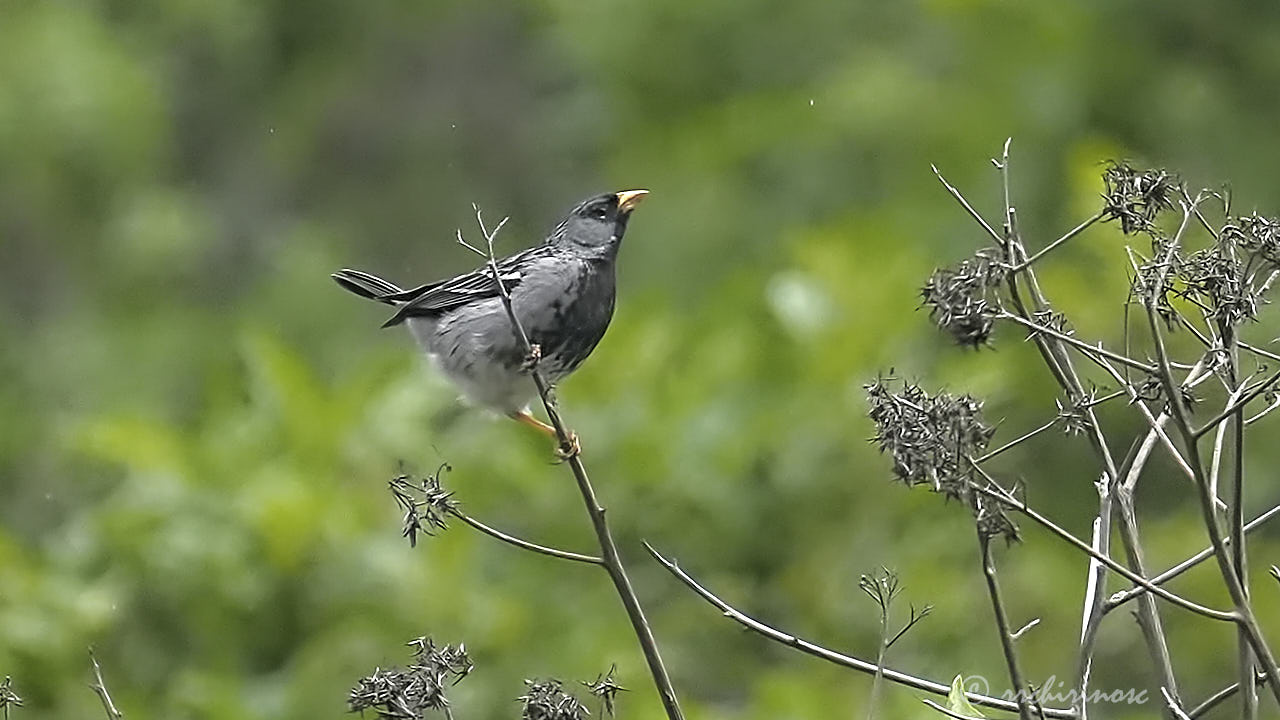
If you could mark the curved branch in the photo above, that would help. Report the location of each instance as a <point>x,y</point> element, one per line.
<point>832,656</point>
<point>525,544</point>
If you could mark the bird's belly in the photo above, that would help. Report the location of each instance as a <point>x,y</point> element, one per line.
<point>475,349</point>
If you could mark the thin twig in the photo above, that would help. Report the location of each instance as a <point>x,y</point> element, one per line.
<point>1085,348</point>
<point>965,204</point>
<point>1014,443</point>
<point>1054,245</point>
<point>1017,635</point>
<point>8,698</point>
<point>612,562</point>
<point>1239,547</point>
<point>1004,497</point>
<point>1052,348</point>
<point>1248,397</point>
<point>1223,695</point>
<point>1020,689</point>
<point>525,544</point>
<point>100,687</point>
<point>832,656</point>
<point>1172,704</point>
<point>1125,596</point>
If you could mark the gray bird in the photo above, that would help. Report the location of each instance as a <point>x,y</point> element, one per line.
<point>562,291</point>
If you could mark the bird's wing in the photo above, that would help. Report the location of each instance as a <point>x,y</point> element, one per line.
<point>478,284</point>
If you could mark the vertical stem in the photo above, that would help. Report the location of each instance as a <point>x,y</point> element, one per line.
<point>1239,550</point>
<point>1149,621</point>
<point>878,680</point>
<point>1058,360</point>
<point>1022,692</point>
<point>608,550</point>
<point>1248,623</point>
<point>1095,595</point>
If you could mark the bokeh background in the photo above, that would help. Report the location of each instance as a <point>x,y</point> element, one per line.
<point>196,425</point>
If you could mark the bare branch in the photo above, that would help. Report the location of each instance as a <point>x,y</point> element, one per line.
<point>1239,597</point>
<point>612,562</point>
<point>1089,351</point>
<point>1054,245</point>
<point>1125,596</point>
<point>832,656</point>
<point>1116,567</point>
<point>969,208</point>
<point>1016,442</point>
<point>1248,397</point>
<point>525,544</point>
<point>1030,624</point>
<point>100,688</point>
<point>1020,689</point>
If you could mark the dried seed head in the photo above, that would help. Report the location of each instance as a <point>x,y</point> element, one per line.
<point>8,698</point>
<point>547,700</point>
<point>1215,278</point>
<point>606,688</point>
<point>425,503</point>
<point>1257,236</point>
<point>993,521</point>
<point>964,299</point>
<point>931,438</point>
<point>1072,416</point>
<point>1150,388</point>
<point>410,692</point>
<point>445,660</point>
<point>1137,197</point>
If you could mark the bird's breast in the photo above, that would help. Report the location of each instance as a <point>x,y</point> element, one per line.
<point>568,324</point>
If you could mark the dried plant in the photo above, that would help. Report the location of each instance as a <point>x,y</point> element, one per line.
<point>8,697</point>
<point>1193,275</point>
<point>547,700</point>
<point>412,691</point>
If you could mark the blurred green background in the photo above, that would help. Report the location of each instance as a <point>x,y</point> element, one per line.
<point>196,425</point>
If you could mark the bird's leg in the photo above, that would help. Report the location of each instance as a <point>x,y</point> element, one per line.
<point>524,418</point>
<point>564,452</point>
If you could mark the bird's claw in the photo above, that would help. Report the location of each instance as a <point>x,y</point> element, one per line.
<point>569,449</point>
<point>531,360</point>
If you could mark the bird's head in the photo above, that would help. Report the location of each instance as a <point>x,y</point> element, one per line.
<point>599,222</point>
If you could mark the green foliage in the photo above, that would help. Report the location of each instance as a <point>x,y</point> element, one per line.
<point>197,428</point>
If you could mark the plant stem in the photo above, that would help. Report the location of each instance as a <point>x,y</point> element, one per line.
<point>1020,689</point>
<point>1239,549</point>
<point>1125,596</point>
<point>832,656</point>
<point>525,544</point>
<point>608,550</point>
<point>1246,619</point>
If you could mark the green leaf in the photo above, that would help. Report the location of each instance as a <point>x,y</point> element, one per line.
<point>958,703</point>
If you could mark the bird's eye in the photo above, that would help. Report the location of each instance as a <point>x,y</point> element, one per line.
<point>599,212</point>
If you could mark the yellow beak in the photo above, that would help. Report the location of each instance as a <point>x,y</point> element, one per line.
<point>628,199</point>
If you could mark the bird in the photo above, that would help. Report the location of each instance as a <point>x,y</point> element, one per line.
<point>562,291</point>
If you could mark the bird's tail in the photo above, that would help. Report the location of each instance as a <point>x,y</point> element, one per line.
<point>367,286</point>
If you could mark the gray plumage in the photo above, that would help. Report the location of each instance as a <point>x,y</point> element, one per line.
<point>562,291</point>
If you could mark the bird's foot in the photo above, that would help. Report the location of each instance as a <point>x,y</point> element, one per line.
<point>570,449</point>
<point>531,360</point>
